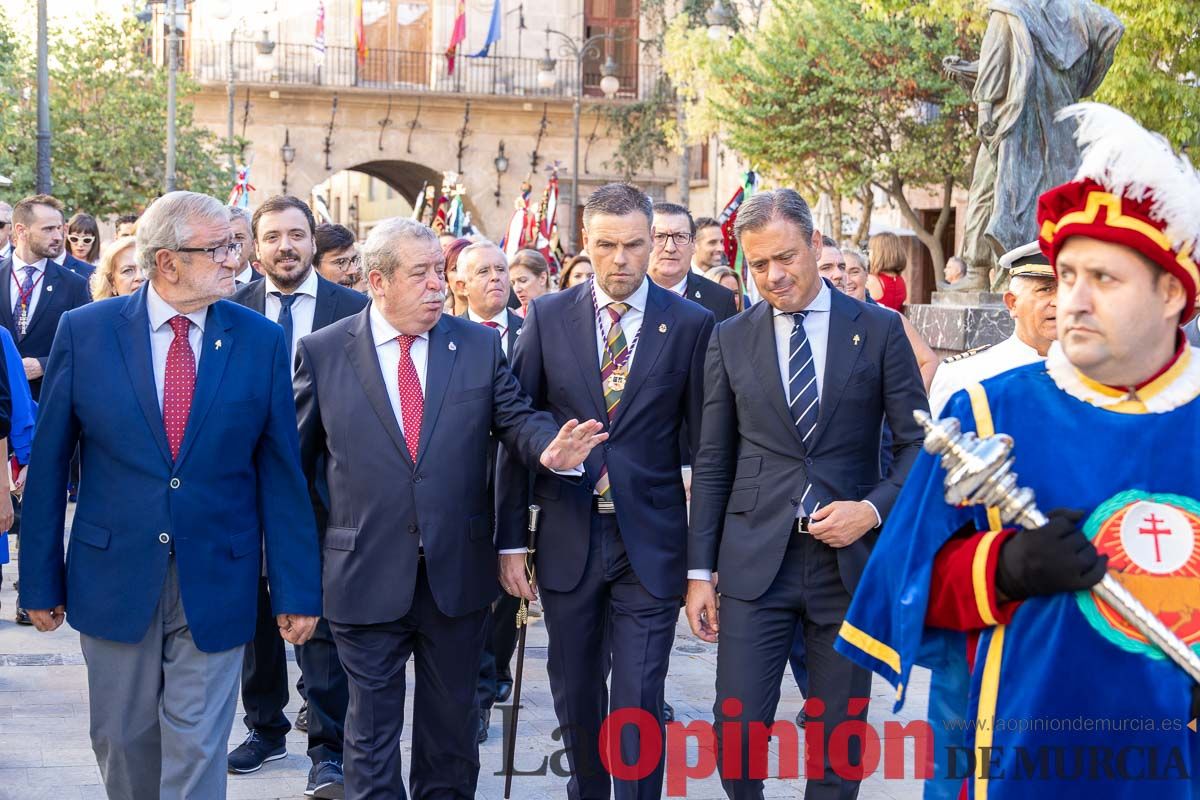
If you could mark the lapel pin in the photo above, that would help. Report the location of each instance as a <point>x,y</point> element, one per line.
<point>697,295</point>
<point>662,328</point>
<point>217,344</point>
<point>452,346</point>
<point>856,339</point>
<point>49,288</point>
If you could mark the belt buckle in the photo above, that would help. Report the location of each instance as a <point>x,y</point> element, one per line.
<point>802,524</point>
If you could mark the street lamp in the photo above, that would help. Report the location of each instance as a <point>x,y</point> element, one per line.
<point>263,60</point>
<point>288,154</point>
<point>720,21</point>
<point>265,48</point>
<point>592,47</point>
<point>172,15</point>
<point>501,162</point>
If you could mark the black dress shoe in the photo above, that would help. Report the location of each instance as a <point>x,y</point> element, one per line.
<point>23,617</point>
<point>301,723</point>
<point>503,691</point>
<point>668,713</point>
<point>485,721</point>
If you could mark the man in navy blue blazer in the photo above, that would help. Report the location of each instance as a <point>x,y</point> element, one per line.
<point>397,408</point>
<point>181,405</point>
<point>611,558</point>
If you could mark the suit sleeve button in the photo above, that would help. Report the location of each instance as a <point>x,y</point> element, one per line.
<point>164,537</point>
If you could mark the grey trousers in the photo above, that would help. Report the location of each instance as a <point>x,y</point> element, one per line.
<point>161,710</point>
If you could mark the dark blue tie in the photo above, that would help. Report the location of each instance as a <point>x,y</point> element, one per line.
<point>285,319</point>
<point>803,401</point>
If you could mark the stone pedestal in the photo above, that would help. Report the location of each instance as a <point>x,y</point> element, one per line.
<point>958,321</point>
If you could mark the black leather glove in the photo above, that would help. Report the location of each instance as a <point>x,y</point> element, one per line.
<point>1054,558</point>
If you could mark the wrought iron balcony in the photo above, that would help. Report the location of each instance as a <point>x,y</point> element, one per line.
<point>403,71</point>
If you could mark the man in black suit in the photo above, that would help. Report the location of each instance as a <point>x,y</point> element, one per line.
<point>483,269</point>
<point>294,296</point>
<point>611,570</point>
<point>674,235</point>
<point>402,403</point>
<point>241,222</point>
<point>787,495</point>
<point>75,265</point>
<point>34,290</point>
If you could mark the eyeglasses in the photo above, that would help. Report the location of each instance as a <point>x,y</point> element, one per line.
<point>679,239</point>
<point>218,254</point>
<point>346,261</point>
<point>81,239</point>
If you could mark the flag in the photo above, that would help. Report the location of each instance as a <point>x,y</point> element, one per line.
<point>522,220</point>
<point>419,202</point>
<point>727,219</point>
<point>360,34</point>
<point>240,196</point>
<point>319,36</point>
<point>546,237</point>
<point>458,36</point>
<point>493,34</point>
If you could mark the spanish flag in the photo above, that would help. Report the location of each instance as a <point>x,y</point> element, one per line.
<point>360,34</point>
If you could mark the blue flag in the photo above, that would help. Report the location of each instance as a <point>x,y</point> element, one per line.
<point>493,34</point>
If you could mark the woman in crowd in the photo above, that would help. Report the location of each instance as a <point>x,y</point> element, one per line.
<point>886,281</point>
<point>729,279</point>
<point>83,236</point>
<point>455,304</point>
<point>118,273</point>
<point>530,276</point>
<point>576,269</point>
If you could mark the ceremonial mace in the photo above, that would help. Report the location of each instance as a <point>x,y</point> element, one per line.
<point>979,472</point>
<point>510,743</point>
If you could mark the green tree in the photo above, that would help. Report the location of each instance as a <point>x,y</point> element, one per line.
<point>823,96</point>
<point>108,118</point>
<point>1155,76</point>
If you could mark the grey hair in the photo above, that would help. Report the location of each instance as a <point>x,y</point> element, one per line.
<point>5,207</point>
<point>379,250</point>
<point>237,212</point>
<point>853,252</point>
<point>171,221</point>
<point>757,212</point>
<point>618,200</point>
<point>482,244</point>
<point>1019,284</point>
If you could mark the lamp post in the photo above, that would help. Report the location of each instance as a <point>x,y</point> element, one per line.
<point>720,21</point>
<point>609,84</point>
<point>264,47</point>
<point>43,102</point>
<point>288,154</point>
<point>501,162</point>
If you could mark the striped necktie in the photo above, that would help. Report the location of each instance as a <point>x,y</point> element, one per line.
<point>803,401</point>
<point>616,356</point>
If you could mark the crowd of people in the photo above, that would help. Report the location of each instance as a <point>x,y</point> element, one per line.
<point>276,434</point>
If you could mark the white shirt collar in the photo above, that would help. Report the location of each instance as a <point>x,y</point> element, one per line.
<point>636,301</point>
<point>18,264</point>
<point>245,275</point>
<point>61,258</point>
<point>308,286</point>
<point>680,287</point>
<point>382,331</point>
<point>161,312</point>
<point>822,302</point>
<point>500,319</point>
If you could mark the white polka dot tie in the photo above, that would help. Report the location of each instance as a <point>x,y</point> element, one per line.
<point>179,385</point>
<point>412,400</point>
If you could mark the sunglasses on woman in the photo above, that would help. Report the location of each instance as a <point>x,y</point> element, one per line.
<point>83,239</point>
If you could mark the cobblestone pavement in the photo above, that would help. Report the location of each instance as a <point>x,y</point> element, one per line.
<point>45,751</point>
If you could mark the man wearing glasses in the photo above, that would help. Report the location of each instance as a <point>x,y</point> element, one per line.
<point>337,258</point>
<point>671,262</point>
<point>182,407</point>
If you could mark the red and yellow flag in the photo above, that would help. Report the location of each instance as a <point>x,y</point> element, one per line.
<point>360,34</point>
<point>458,36</point>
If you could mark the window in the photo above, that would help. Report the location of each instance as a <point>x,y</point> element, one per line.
<point>698,162</point>
<point>620,19</point>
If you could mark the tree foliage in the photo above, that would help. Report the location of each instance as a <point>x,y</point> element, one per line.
<point>824,97</point>
<point>108,120</point>
<point>1155,76</point>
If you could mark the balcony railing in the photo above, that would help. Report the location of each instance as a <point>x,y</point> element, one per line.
<point>402,71</point>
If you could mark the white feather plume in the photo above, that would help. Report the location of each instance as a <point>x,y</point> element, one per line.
<point>1129,160</point>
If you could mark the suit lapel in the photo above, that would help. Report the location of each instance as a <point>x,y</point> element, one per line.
<point>258,297</point>
<point>324,312</point>
<point>360,351</point>
<point>765,360</point>
<point>514,328</point>
<point>692,290</point>
<point>6,315</point>
<point>439,365</point>
<point>213,359</point>
<point>49,298</point>
<point>656,322</point>
<point>580,325</point>
<point>847,337</point>
<point>133,334</point>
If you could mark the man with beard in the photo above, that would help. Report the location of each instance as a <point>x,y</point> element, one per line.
<point>293,295</point>
<point>710,245</point>
<point>337,258</point>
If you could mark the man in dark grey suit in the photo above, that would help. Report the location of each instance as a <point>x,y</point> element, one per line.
<point>402,404</point>
<point>294,296</point>
<point>787,495</point>
<point>674,235</point>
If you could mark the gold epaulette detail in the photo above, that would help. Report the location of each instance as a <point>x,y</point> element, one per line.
<point>966,354</point>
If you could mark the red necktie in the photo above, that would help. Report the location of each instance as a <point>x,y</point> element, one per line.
<point>493,325</point>
<point>179,384</point>
<point>412,401</point>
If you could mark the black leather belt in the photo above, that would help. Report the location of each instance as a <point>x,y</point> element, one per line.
<point>601,506</point>
<point>801,525</point>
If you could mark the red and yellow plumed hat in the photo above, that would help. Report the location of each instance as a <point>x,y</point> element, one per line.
<point>1131,189</point>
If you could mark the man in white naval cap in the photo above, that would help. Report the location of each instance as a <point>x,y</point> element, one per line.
<point>1031,302</point>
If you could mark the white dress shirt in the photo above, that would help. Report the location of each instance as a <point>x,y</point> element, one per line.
<point>631,321</point>
<point>500,319</point>
<point>161,335</point>
<point>18,277</point>
<point>61,258</point>
<point>388,351</point>
<point>243,277</point>
<point>680,287</point>
<point>303,307</point>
